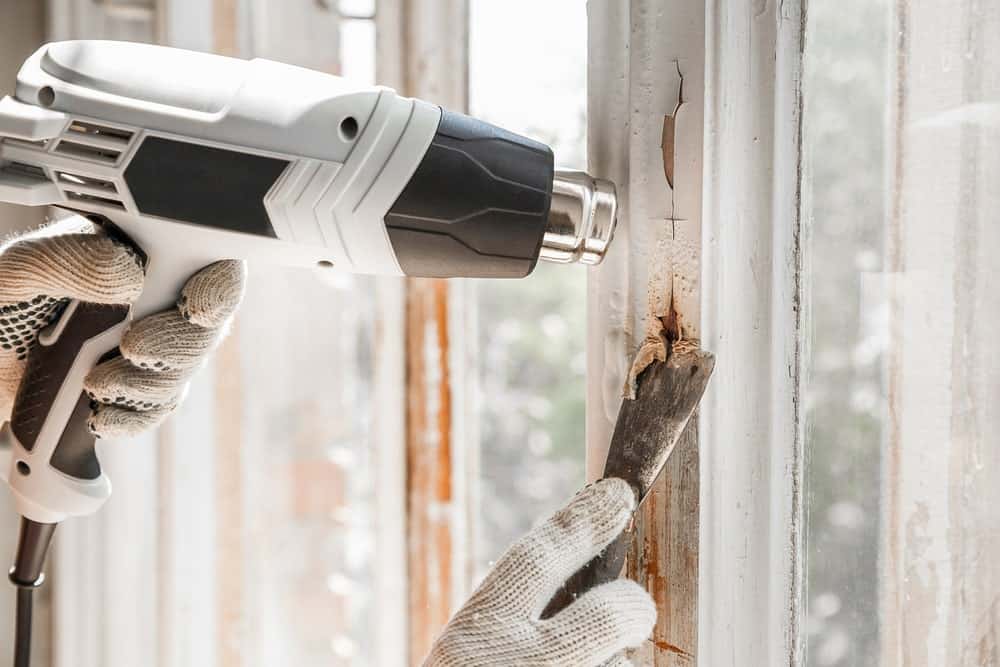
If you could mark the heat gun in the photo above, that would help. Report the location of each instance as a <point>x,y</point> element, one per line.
<point>196,157</point>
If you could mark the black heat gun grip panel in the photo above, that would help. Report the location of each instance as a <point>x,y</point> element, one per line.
<point>203,185</point>
<point>477,205</point>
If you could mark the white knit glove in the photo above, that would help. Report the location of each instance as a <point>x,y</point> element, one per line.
<point>41,271</point>
<point>501,623</point>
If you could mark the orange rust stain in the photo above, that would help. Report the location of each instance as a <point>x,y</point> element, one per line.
<point>670,648</point>
<point>429,463</point>
<point>444,486</point>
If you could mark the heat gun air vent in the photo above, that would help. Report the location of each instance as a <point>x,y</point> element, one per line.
<point>91,141</point>
<point>89,190</point>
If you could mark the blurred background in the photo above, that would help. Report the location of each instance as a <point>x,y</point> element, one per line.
<point>247,531</point>
<point>268,522</point>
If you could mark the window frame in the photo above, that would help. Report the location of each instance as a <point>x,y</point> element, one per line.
<point>729,275</point>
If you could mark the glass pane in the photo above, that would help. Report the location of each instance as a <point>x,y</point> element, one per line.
<point>531,332</point>
<point>845,85</point>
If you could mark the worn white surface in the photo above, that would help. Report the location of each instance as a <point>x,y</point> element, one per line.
<point>645,119</point>
<point>750,437</point>
<point>639,54</point>
<point>940,577</point>
<point>390,383</point>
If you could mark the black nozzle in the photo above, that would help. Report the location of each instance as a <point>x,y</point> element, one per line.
<point>32,547</point>
<point>477,205</point>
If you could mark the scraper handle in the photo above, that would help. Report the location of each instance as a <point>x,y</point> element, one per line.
<point>603,569</point>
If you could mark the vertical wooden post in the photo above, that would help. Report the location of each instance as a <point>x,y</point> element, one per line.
<point>646,77</point>
<point>390,429</point>
<point>435,68</point>
<point>940,581</point>
<point>228,440</point>
<point>750,435</point>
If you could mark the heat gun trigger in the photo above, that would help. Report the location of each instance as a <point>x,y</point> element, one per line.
<point>54,471</point>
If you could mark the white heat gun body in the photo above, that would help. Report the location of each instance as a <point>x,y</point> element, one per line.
<point>196,157</point>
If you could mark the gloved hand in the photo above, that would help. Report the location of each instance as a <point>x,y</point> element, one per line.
<point>500,625</point>
<point>41,271</point>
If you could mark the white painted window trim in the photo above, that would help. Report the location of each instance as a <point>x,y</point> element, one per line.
<point>751,431</point>
<point>735,204</point>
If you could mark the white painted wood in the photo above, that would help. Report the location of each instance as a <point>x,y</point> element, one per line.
<point>389,442</point>
<point>751,500</point>
<point>939,574</point>
<point>389,430</point>
<point>645,119</point>
<point>639,54</point>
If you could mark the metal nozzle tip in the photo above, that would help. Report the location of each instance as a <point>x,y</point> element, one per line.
<point>582,219</point>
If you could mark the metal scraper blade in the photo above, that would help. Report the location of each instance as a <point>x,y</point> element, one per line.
<point>646,432</point>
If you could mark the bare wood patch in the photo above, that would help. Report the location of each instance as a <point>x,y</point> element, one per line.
<point>429,463</point>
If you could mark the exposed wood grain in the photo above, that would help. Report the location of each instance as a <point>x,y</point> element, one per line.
<point>429,466</point>
<point>673,513</point>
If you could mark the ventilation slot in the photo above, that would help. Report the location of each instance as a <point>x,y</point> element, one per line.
<point>94,199</point>
<point>24,143</point>
<point>26,170</point>
<point>89,190</point>
<point>94,142</point>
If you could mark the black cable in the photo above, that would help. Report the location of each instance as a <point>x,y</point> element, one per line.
<point>32,545</point>
<point>22,629</point>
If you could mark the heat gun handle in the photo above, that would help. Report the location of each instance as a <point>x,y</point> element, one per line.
<point>54,471</point>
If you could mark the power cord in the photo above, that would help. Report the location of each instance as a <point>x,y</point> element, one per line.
<point>22,629</point>
<point>32,547</point>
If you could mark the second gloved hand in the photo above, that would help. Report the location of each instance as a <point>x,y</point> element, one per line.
<point>40,272</point>
<point>501,624</point>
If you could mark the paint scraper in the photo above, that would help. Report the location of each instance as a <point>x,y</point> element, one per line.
<point>648,427</point>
